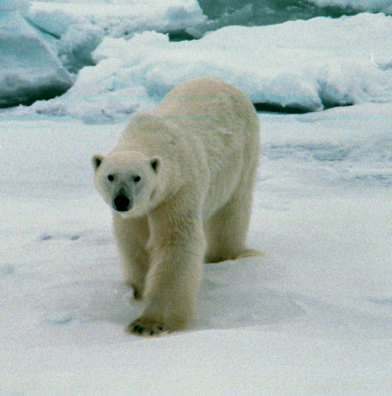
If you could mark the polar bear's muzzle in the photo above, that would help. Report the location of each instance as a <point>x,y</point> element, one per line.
<point>122,202</point>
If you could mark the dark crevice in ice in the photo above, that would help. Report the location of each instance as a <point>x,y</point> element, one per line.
<point>278,108</point>
<point>30,95</point>
<point>297,108</point>
<point>181,35</point>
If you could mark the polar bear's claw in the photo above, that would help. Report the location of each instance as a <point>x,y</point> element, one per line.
<point>147,328</point>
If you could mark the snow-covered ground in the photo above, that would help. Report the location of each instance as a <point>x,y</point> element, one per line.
<point>313,316</point>
<point>292,66</point>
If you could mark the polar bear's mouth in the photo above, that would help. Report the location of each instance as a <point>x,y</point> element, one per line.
<point>122,203</point>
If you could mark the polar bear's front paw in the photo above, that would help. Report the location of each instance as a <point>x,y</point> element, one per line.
<point>147,327</point>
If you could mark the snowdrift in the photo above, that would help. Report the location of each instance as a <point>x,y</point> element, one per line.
<point>116,18</point>
<point>127,57</point>
<point>296,66</point>
<point>44,44</point>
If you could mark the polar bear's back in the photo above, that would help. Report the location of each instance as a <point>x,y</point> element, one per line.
<point>221,115</point>
<point>226,124</point>
<point>208,101</point>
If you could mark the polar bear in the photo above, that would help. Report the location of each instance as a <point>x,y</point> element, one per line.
<point>180,183</point>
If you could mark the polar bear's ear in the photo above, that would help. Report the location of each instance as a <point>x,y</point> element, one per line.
<point>97,161</point>
<point>155,163</point>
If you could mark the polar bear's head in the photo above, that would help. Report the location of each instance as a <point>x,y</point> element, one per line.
<point>127,181</point>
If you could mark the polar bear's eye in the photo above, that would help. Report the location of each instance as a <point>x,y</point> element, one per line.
<point>110,178</point>
<point>136,179</point>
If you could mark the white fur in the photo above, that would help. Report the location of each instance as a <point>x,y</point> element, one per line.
<point>196,155</point>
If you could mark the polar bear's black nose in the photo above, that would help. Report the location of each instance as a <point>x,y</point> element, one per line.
<point>122,203</point>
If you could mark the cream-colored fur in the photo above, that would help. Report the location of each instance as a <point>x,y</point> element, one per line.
<point>196,155</point>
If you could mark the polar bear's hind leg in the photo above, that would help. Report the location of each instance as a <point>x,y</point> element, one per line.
<point>226,230</point>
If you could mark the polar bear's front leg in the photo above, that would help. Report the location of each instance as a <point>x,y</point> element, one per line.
<point>176,255</point>
<point>131,236</point>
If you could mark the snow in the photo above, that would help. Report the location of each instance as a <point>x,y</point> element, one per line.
<point>267,12</point>
<point>75,31</point>
<point>43,44</point>
<point>301,66</point>
<point>125,52</point>
<point>313,316</point>
<point>117,19</point>
<point>28,68</point>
